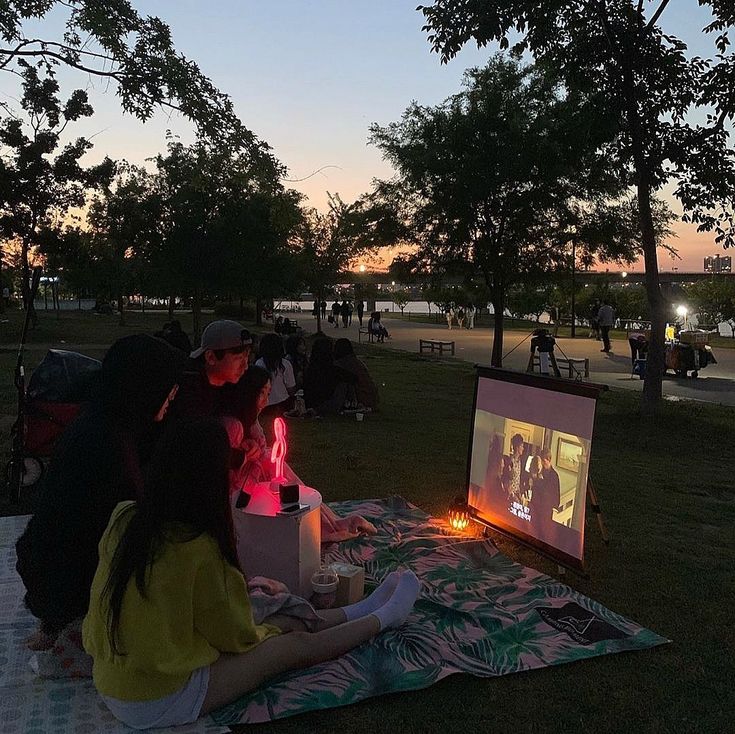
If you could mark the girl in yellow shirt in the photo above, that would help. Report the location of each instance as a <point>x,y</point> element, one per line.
<point>170,627</point>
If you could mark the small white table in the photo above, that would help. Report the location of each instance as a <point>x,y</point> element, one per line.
<point>281,547</point>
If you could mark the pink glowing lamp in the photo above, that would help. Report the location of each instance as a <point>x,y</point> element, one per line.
<point>278,452</point>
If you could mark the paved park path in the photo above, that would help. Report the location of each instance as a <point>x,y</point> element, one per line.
<point>715,384</point>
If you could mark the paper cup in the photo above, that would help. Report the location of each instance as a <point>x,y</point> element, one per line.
<point>359,416</point>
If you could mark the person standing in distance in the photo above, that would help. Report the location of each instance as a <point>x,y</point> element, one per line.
<point>606,319</point>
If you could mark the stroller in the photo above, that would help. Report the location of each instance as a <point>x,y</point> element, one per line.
<point>59,386</point>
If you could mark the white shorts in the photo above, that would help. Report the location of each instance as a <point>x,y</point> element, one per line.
<point>180,707</point>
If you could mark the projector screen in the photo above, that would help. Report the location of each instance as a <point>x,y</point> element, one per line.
<point>529,457</point>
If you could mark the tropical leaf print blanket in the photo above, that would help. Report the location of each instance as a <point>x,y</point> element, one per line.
<point>478,613</point>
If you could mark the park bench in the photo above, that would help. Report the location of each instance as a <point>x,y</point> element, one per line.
<point>435,345</point>
<point>370,335</point>
<point>572,365</point>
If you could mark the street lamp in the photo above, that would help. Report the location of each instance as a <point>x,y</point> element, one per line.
<point>362,268</point>
<point>623,274</point>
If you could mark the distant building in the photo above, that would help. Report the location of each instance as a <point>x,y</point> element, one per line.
<point>718,264</point>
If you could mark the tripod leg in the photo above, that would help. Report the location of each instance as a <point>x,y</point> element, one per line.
<point>598,512</point>
<point>552,356</point>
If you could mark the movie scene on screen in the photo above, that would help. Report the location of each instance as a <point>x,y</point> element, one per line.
<point>530,477</point>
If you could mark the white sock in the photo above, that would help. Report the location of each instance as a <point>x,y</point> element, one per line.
<point>394,612</point>
<point>376,600</point>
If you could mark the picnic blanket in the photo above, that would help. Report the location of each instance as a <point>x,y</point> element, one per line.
<point>479,613</point>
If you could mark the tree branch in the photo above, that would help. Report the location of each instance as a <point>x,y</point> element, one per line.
<point>601,10</point>
<point>115,74</point>
<point>657,14</point>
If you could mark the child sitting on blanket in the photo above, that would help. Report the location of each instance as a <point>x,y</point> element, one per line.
<point>170,626</point>
<point>257,467</point>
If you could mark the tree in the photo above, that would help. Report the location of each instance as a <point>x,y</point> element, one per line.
<point>641,87</point>
<point>214,202</point>
<point>496,176</point>
<point>37,190</point>
<point>112,41</point>
<point>714,301</point>
<point>529,299</point>
<point>125,227</point>
<point>329,244</point>
<point>400,298</point>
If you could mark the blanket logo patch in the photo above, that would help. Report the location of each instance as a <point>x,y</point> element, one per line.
<point>580,624</point>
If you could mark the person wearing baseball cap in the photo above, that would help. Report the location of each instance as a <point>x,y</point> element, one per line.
<point>221,360</point>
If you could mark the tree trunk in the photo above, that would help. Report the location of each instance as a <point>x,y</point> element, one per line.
<point>57,300</point>
<point>318,312</point>
<point>25,286</point>
<point>258,311</point>
<point>196,315</point>
<point>652,386</point>
<point>498,301</point>
<point>2,283</point>
<point>171,304</point>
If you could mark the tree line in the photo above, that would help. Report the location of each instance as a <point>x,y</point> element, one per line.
<point>532,168</point>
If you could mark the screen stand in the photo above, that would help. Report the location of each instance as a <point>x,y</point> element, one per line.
<point>598,512</point>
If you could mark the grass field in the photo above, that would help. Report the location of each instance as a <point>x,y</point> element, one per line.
<point>667,492</point>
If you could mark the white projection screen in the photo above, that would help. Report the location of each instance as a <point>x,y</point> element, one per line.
<point>529,458</point>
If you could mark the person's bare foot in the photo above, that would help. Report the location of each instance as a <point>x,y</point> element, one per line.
<point>39,640</point>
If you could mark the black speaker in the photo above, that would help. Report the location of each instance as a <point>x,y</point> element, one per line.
<point>288,494</point>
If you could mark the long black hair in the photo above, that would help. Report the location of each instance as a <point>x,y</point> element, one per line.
<point>271,352</point>
<point>187,484</point>
<point>250,387</point>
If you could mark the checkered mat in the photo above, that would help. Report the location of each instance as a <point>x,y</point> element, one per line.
<point>479,613</point>
<point>29,705</point>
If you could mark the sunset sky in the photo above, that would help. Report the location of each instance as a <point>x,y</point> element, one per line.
<point>309,78</point>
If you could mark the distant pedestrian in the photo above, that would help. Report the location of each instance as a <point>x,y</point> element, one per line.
<point>470,316</point>
<point>336,308</point>
<point>594,321</point>
<point>450,316</point>
<point>315,309</point>
<point>606,317</point>
<point>360,311</point>
<point>349,320</point>
<point>460,317</point>
<point>344,311</point>
<point>323,306</point>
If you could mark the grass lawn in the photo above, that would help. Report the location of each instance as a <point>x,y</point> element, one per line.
<point>667,493</point>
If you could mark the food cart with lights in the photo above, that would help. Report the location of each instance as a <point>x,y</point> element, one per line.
<point>687,351</point>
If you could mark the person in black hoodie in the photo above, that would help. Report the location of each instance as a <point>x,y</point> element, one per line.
<point>98,463</point>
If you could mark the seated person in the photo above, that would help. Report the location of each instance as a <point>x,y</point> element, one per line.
<point>170,626</point>
<point>327,387</point>
<point>255,464</point>
<point>283,382</point>
<point>296,355</point>
<point>208,386</point>
<point>175,336</point>
<point>375,327</point>
<point>97,463</point>
<point>365,389</point>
